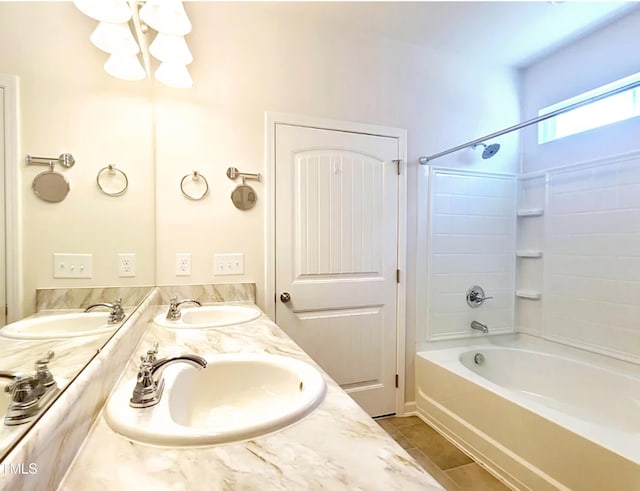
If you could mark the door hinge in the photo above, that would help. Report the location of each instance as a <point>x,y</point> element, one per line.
<point>398,163</point>
<point>6,311</point>
<point>397,276</point>
<point>397,380</point>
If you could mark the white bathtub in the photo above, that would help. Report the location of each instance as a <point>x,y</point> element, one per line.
<point>538,414</point>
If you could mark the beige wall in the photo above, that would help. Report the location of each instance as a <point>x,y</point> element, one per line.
<point>249,58</point>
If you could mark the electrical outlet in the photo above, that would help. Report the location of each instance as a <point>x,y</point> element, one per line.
<point>228,264</point>
<point>183,264</point>
<point>72,265</point>
<point>126,265</point>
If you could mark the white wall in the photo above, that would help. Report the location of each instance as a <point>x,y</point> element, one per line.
<point>605,56</point>
<point>255,57</point>
<point>69,104</point>
<point>589,275</point>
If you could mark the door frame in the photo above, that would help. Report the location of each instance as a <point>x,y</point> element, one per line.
<point>269,299</point>
<point>12,187</point>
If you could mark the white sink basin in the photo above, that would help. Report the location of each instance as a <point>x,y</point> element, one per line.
<point>238,396</point>
<point>59,326</point>
<point>210,316</point>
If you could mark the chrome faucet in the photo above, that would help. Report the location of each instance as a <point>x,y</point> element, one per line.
<point>478,326</point>
<point>173,314</point>
<point>150,383</point>
<point>29,393</point>
<point>117,313</point>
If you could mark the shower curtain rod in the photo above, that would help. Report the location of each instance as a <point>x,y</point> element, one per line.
<point>633,85</point>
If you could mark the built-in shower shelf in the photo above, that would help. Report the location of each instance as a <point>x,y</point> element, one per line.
<point>530,212</point>
<point>529,294</point>
<point>529,253</point>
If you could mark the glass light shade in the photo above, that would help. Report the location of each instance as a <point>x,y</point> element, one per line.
<point>171,48</point>
<point>174,75</point>
<point>114,38</point>
<point>166,16</point>
<point>116,11</point>
<point>125,67</point>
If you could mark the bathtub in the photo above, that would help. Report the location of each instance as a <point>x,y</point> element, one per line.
<point>537,414</point>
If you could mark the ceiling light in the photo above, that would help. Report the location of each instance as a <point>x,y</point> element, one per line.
<point>114,38</point>
<point>118,18</point>
<point>105,10</point>
<point>166,16</point>
<point>174,75</point>
<point>171,48</point>
<point>124,67</point>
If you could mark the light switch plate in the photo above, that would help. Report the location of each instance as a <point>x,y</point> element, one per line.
<point>72,265</point>
<point>126,264</point>
<point>228,264</point>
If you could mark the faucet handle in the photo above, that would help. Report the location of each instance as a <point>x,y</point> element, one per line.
<point>150,357</point>
<point>23,389</point>
<point>45,359</point>
<point>43,374</point>
<point>475,296</point>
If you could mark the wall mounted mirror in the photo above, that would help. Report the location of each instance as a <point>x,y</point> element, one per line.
<point>244,197</point>
<point>67,103</point>
<point>50,186</point>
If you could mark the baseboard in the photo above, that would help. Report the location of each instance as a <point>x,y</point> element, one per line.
<point>409,409</point>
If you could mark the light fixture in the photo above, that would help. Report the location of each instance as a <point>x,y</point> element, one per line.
<point>166,16</point>
<point>114,38</point>
<point>125,67</point>
<point>174,75</point>
<point>170,48</point>
<point>114,35</point>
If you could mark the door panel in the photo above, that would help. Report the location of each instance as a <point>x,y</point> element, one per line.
<point>336,255</point>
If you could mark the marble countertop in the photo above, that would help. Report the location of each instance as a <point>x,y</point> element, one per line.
<point>337,446</point>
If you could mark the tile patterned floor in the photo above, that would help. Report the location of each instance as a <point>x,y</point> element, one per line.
<point>454,470</point>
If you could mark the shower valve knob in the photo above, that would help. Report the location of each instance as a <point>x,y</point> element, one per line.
<point>285,297</point>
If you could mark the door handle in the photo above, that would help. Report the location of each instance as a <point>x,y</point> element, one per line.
<point>285,297</point>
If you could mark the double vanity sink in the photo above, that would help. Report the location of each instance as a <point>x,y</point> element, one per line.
<point>248,409</point>
<point>235,397</point>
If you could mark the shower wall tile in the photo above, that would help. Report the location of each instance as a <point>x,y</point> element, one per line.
<point>471,242</point>
<point>592,258</point>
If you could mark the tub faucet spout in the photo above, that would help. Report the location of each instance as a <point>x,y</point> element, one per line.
<point>478,326</point>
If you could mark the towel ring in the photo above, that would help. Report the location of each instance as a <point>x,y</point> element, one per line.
<point>195,176</point>
<point>111,169</point>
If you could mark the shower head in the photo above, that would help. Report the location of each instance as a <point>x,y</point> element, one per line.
<point>489,150</point>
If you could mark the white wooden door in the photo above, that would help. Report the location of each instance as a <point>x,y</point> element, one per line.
<point>337,255</point>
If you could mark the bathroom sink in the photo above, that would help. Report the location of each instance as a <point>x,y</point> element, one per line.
<point>59,326</point>
<point>210,316</point>
<point>238,396</point>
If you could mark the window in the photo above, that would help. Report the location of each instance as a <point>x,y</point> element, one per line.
<point>618,107</point>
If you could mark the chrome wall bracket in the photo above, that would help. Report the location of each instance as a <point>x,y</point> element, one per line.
<point>233,173</point>
<point>65,160</point>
